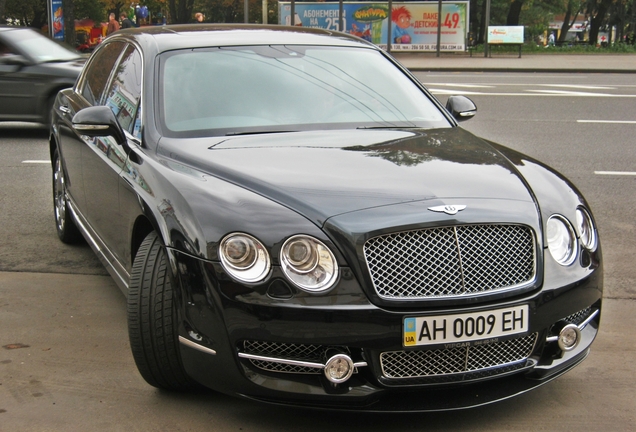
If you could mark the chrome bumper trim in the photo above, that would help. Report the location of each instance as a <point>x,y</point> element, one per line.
<point>291,362</point>
<point>196,346</point>
<point>580,326</point>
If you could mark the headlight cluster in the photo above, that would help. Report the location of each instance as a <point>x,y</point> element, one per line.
<point>562,239</point>
<point>306,261</point>
<point>244,257</point>
<point>587,231</point>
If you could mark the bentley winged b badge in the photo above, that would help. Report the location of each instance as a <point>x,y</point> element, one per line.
<point>448,209</point>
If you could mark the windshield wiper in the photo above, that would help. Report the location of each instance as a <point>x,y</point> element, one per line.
<point>260,132</point>
<point>389,127</point>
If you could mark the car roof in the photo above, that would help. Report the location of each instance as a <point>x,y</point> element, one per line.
<point>170,37</point>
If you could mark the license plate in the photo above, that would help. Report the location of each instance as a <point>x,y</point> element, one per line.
<point>466,327</point>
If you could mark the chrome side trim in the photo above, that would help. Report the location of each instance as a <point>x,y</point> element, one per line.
<point>196,346</point>
<point>88,127</point>
<point>588,320</point>
<point>580,326</point>
<point>291,362</point>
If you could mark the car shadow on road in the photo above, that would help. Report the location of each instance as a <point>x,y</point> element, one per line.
<point>206,406</point>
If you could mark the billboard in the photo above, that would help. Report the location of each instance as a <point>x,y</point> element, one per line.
<point>505,34</point>
<point>56,19</point>
<point>413,24</point>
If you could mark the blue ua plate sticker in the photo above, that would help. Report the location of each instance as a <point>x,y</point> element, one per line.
<point>409,331</point>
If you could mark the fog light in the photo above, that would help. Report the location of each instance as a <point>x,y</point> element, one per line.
<point>569,337</point>
<point>339,368</point>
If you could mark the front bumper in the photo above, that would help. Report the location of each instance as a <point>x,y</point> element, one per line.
<point>252,342</point>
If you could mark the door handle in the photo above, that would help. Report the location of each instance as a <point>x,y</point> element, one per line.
<point>65,109</point>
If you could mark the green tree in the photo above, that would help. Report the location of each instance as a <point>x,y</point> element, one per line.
<point>181,11</point>
<point>572,12</point>
<point>514,12</point>
<point>2,4</point>
<point>69,22</point>
<point>90,9</point>
<point>597,10</point>
<point>30,13</point>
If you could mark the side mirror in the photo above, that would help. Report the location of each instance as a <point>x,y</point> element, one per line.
<point>14,60</point>
<point>99,121</point>
<point>12,63</point>
<point>461,108</point>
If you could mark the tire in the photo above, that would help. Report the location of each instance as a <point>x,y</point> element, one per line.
<point>65,225</point>
<point>152,319</point>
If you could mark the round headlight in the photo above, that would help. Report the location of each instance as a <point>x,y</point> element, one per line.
<point>308,263</point>
<point>244,257</point>
<point>585,227</point>
<point>561,240</point>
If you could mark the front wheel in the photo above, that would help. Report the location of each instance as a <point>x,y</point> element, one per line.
<point>66,229</point>
<point>152,319</point>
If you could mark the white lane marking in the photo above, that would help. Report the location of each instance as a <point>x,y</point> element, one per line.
<point>454,92</point>
<point>608,121</point>
<point>540,93</point>
<point>488,85</point>
<point>487,74</point>
<point>609,86</point>
<point>36,162</point>
<point>465,85</point>
<point>584,87</point>
<point>572,93</point>
<point>617,173</point>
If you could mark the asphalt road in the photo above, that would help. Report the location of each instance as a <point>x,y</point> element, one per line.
<point>65,362</point>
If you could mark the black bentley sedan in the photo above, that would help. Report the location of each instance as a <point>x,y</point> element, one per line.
<point>295,219</point>
<point>33,68</point>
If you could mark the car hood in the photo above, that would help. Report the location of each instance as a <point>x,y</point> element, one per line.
<point>328,173</point>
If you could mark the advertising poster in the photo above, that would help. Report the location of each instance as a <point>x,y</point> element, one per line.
<point>505,34</point>
<point>57,19</point>
<point>413,25</point>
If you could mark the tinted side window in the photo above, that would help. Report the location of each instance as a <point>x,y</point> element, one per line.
<point>97,72</point>
<point>124,93</point>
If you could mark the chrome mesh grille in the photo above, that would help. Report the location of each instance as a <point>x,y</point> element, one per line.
<point>448,361</point>
<point>579,317</point>
<point>450,261</point>
<point>308,353</point>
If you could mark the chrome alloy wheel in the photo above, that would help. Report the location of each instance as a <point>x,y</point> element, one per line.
<point>59,195</point>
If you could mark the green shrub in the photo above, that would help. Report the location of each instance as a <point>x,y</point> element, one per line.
<point>566,48</point>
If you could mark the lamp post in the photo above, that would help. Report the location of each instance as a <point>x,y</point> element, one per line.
<point>439,26</point>
<point>486,24</point>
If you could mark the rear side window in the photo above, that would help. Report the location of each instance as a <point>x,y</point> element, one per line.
<point>98,71</point>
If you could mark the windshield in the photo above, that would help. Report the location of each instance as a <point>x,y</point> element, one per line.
<point>38,47</point>
<point>225,91</point>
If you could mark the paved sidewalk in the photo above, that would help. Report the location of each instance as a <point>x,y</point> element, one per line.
<point>590,63</point>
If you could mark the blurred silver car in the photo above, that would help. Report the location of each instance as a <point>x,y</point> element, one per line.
<point>33,68</point>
